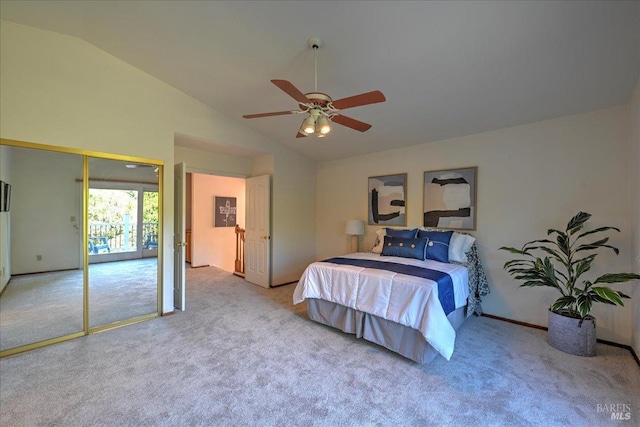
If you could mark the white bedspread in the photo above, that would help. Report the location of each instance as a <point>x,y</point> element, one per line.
<point>408,300</point>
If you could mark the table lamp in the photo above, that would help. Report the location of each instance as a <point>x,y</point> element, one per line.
<point>355,228</point>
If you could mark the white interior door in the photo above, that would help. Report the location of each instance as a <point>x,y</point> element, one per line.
<point>257,248</point>
<point>179,241</point>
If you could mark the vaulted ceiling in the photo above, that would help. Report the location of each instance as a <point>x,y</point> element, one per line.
<point>447,69</point>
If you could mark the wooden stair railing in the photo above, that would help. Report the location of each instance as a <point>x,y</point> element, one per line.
<point>239,265</point>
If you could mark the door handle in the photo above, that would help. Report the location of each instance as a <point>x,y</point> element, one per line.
<point>181,244</point>
<point>265,237</point>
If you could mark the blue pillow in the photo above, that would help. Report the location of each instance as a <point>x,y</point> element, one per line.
<point>405,234</point>
<point>438,246</point>
<point>406,248</point>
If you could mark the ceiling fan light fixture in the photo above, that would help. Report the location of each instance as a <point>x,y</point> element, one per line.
<point>320,106</point>
<point>323,124</point>
<point>308,126</point>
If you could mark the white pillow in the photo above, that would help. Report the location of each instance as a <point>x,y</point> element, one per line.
<point>377,248</point>
<point>459,246</point>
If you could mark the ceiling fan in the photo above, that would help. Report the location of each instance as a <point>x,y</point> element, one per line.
<point>141,165</point>
<point>319,107</point>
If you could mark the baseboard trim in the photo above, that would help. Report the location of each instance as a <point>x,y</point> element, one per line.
<point>544,328</point>
<point>635,355</point>
<point>517,322</point>
<point>168,313</point>
<point>47,271</point>
<point>284,284</point>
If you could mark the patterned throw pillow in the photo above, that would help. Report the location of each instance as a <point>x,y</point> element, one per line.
<point>406,248</point>
<point>377,246</point>
<point>438,246</point>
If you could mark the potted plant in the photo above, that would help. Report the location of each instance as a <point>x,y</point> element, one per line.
<point>571,328</point>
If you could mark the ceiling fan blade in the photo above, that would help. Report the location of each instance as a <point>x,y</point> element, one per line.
<point>137,165</point>
<point>351,123</point>
<point>291,90</point>
<point>358,100</point>
<point>301,135</point>
<point>275,113</point>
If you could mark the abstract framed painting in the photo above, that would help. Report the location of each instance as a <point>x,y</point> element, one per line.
<point>388,200</point>
<point>449,198</point>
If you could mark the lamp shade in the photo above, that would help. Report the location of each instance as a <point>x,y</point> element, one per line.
<point>308,126</point>
<point>355,227</point>
<point>323,124</point>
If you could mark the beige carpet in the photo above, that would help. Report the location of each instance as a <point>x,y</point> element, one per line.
<point>245,356</point>
<point>36,307</point>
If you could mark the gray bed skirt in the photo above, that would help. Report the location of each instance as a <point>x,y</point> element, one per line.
<point>398,338</point>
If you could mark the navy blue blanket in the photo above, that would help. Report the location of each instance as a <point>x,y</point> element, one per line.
<point>445,283</point>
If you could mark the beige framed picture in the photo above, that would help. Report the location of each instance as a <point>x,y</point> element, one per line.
<point>449,198</point>
<point>388,200</point>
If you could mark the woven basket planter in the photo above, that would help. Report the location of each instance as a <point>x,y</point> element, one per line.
<point>572,336</point>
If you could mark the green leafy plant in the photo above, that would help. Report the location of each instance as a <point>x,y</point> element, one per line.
<point>573,260</point>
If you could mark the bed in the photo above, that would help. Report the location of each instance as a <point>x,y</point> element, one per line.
<point>409,305</point>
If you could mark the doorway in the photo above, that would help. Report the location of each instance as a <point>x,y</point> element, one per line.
<point>213,243</point>
<point>188,202</point>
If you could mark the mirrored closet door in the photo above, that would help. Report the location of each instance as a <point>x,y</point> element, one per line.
<point>43,299</point>
<point>123,240</point>
<point>80,240</point>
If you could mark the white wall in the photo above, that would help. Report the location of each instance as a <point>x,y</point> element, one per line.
<point>215,246</point>
<point>634,179</point>
<point>213,163</point>
<point>46,196</point>
<point>263,165</point>
<point>530,178</point>
<point>293,215</point>
<point>5,164</point>
<point>61,91</point>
